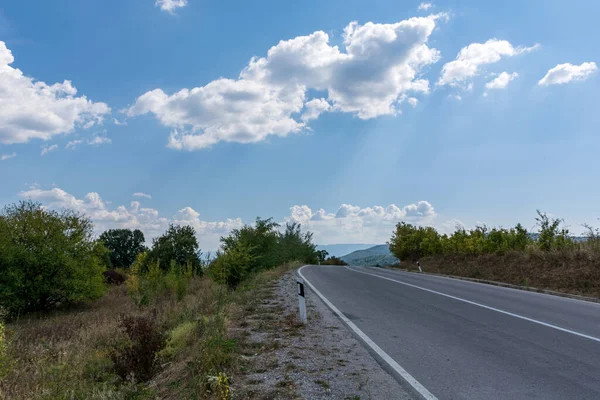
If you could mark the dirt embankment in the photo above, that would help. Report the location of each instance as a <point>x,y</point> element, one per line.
<point>574,272</point>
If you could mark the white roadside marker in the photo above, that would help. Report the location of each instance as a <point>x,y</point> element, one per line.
<point>301,301</point>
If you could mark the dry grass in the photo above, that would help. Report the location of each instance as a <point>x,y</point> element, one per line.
<point>66,354</point>
<point>572,271</point>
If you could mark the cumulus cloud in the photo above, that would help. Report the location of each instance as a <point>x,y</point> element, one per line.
<point>470,59</point>
<point>413,101</point>
<point>314,108</point>
<point>133,216</point>
<point>47,149</point>
<point>31,109</point>
<point>501,81</point>
<point>353,224</point>
<point>170,5</point>
<point>564,73</point>
<point>424,6</point>
<point>378,65</point>
<point>140,194</point>
<point>7,156</point>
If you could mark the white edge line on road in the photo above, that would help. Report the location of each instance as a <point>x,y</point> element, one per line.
<point>583,335</point>
<point>389,360</point>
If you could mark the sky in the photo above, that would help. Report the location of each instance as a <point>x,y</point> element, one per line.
<point>345,116</point>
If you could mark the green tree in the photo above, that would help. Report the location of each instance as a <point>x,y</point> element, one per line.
<point>124,246</point>
<point>47,258</point>
<point>177,244</point>
<point>293,245</point>
<point>261,239</point>
<point>322,255</point>
<point>410,242</point>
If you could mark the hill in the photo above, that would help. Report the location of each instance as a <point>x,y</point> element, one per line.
<point>339,250</point>
<point>376,255</point>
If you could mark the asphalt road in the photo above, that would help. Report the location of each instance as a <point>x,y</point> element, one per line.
<point>464,340</point>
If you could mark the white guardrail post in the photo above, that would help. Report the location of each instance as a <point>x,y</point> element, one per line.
<point>301,300</point>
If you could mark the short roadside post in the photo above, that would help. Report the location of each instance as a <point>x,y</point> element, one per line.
<point>419,265</point>
<point>301,300</point>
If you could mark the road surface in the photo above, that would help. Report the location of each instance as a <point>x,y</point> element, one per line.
<point>465,340</point>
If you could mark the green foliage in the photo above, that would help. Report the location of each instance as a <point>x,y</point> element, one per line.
<point>232,266</point>
<point>412,243</point>
<point>321,255</point>
<point>47,258</point>
<point>179,338</point>
<point>177,244</point>
<point>254,248</point>
<point>551,235</point>
<point>333,260</point>
<point>124,245</point>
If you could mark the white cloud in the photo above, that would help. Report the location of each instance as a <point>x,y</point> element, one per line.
<point>47,149</point>
<point>72,144</point>
<point>7,156</point>
<point>140,194</point>
<point>352,224</point>
<point>424,6</point>
<point>119,123</point>
<point>471,58</point>
<point>99,140</point>
<point>32,109</point>
<point>413,101</point>
<point>564,73</point>
<point>501,81</point>
<point>133,216</point>
<point>314,108</point>
<point>379,64</point>
<point>170,5</point>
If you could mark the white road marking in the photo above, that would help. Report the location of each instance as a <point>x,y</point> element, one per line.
<point>583,335</point>
<point>420,389</point>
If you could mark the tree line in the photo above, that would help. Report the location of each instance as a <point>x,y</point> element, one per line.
<point>411,243</point>
<point>50,258</point>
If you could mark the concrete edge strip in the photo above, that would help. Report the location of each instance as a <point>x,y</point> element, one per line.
<point>503,284</point>
<point>404,375</point>
<point>583,335</point>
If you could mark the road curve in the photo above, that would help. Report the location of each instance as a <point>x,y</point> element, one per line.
<point>466,340</point>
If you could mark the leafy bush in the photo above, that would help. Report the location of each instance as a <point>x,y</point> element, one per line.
<point>179,338</point>
<point>231,267</point>
<point>138,360</point>
<point>47,258</point>
<point>112,277</point>
<point>253,248</point>
<point>124,245</point>
<point>333,260</point>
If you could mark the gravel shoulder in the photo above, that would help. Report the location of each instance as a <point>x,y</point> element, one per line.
<point>322,360</point>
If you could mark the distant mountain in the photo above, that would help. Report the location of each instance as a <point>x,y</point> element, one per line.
<point>339,250</point>
<point>377,255</point>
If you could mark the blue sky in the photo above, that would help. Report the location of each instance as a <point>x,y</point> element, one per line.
<point>463,111</point>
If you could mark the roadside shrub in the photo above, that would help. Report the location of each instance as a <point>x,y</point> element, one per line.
<point>138,360</point>
<point>231,267</point>
<point>112,277</point>
<point>333,260</point>
<point>47,258</point>
<point>179,338</point>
